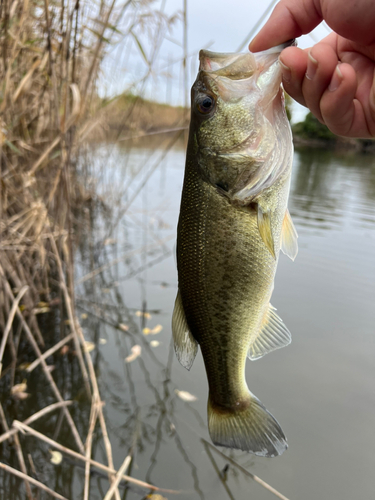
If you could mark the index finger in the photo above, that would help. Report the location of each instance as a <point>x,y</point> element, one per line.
<point>289,19</point>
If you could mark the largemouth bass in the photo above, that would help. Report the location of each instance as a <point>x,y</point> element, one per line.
<point>233,222</point>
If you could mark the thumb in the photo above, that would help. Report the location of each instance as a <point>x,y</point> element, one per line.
<point>289,19</point>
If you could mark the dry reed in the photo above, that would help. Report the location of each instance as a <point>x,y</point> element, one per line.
<point>50,58</point>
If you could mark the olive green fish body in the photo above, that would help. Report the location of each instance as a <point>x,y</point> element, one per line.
<point>226,270</point>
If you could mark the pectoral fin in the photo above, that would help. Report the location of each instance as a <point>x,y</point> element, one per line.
<point>265,229</point>
<point>185,345</point>
<point>289,245</point>
<point>273,335</point>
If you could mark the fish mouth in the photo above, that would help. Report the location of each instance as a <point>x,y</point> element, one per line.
<point>238,65</point>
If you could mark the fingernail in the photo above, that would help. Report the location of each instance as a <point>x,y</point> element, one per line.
<point>285,70</point>
<point>336,79</point>
<point>312,66</point>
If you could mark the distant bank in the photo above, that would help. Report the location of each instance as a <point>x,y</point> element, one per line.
<point>129,116</point>
<point>132,116</point>
<point>311,132</point>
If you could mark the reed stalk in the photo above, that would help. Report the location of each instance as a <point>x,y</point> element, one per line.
<point>51,54</point>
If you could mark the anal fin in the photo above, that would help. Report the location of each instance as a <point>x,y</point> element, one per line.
<point>273,335</point>
<point>289,245</point>
<point>185,345</point>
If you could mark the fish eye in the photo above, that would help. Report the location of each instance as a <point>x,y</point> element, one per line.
<point>205,104</point>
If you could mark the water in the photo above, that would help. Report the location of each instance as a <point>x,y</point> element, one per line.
<point>320,388</point>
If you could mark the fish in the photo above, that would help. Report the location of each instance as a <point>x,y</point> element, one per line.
<point>233,222</point>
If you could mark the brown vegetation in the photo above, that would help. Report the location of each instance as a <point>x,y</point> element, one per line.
<point>50,55</point>
<point>130,115</point>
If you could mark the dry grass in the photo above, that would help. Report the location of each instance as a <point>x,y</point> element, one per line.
<point>50,58</point>
<point>129,116</point>
<point>51,53</point>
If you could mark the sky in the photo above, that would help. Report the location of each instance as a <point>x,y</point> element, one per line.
<point>219,26</point>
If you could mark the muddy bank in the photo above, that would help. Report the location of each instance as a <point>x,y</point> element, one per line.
<point>130,116</point>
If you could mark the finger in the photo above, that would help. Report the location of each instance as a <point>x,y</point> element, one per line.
<point>293,67</point>
<point>321,63</point>
<point>289,19</point>
<point>342,112</point>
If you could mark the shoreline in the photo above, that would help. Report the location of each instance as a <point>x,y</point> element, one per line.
<point>130,117</point>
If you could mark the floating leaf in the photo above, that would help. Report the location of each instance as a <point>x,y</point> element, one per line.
<point>109,241</point>
<point>24,366</point>
<point>41,310</point>
<point>89,346</point>
<point>155,496</point>
<point>83,316</point>
<point>185,396</point>
<point>20,395</point>
<point>135,352</point>
<point>154,343</point>
<point>56,457</point>
<point>102,341</point>
<point>152,331</point>
<point>19,388</point>
<point>123,327</point>
<point>144,314</point>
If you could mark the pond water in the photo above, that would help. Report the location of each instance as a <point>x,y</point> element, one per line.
<point>320,388</point>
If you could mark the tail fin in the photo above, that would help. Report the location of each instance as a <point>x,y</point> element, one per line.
<point>252,429</point>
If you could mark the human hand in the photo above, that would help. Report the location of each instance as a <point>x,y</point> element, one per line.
<point>335,78</point>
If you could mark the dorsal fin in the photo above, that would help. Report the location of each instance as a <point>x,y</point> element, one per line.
<point>289,245</point>
<point>185,345</point>
<point>273,335</point>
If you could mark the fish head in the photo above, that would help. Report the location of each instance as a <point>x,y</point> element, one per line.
<point>238,122</point>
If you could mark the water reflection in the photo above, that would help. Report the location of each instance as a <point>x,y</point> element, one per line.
<point>332,197</point>
<point>320,387</point>
<point>326,188</point>
<point>141,396</point>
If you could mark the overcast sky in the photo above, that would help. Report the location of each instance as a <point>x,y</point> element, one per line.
<point>219,26</point>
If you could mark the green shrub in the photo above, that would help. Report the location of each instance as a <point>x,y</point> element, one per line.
<point>311,128</point>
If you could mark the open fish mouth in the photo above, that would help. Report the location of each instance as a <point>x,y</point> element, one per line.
<point>236,75</point>
<point>237,66</point>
